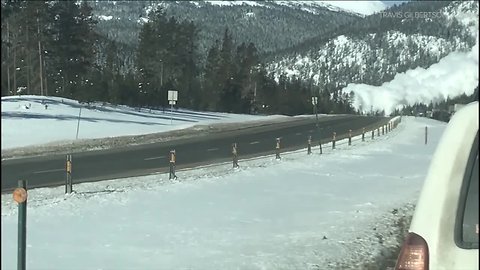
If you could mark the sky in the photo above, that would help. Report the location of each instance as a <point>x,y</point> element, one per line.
<point>300,212</point>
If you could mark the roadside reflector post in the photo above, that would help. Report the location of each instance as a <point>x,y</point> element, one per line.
<point>363,134</point>
<point>172,174</point>
<point>426,134</point>
<point>277,149</point>
<point>333,140</point>
<point>320,143</point>
<point>309,145</point>
<point>20,196</point>
<point>68,182</point>
<point>235,155</point>
<point>350,137</point>
<point>373,134</point>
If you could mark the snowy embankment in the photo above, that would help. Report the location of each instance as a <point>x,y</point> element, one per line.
<point>30,127</point>
<point>338,210</point>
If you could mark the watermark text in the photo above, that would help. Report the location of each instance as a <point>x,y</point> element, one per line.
<point>412,15</point>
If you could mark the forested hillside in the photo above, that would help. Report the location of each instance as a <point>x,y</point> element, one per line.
<point>257,58</point>
<point>373,50</point>
<point>268,25</point>
<point>71,49</point>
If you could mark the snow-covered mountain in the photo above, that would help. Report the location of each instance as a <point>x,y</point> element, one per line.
<point>270,25</point>
<point>358,7</point>
<point>382,45</point>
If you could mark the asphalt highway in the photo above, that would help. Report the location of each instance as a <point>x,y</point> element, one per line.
<point>146,159</point>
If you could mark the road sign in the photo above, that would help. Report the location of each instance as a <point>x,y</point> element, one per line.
<point>172,99</point>
<point>172,95</point>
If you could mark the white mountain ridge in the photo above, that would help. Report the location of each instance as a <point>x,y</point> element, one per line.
<point>348,51</point>
<point>359,8</point>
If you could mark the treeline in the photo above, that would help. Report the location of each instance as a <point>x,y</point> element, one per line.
<point>52,48</point>
<point>47,47</point>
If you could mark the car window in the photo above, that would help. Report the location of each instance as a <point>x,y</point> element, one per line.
<point>467,233</point>
<point>470,218</point>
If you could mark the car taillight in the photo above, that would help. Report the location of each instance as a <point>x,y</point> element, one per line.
<point>414,254</point>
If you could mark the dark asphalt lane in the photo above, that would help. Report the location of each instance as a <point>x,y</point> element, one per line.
<point>145,159</point>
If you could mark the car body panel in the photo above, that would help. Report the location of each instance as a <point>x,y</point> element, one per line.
<point>436,209</point>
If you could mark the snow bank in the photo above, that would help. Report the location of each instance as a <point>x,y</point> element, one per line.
<point>329,211</point>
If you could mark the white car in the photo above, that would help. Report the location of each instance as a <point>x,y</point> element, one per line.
<point>443,234</point>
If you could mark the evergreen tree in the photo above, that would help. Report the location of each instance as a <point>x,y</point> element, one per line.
<point>226,71</point>
<point>212,81</point>
<point>72,48</point>
<point>165,60</point>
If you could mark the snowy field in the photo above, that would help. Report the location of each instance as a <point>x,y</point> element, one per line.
<point>339,210</point>
<point>57,123</point>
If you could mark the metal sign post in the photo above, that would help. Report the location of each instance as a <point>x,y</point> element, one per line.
<point>309,145</point>
<point>172,100</point>
<point>78,122</point>
<point>314,103</point>
<point>426,134</point>
<point>20,196</point>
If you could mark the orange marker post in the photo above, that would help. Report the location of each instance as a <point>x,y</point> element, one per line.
<point>172,174</point>
<point>333,140</point>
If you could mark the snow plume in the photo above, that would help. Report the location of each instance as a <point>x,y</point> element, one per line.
<point>453,75</point>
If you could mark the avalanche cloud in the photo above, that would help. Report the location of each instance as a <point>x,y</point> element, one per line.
<point>453,75</point>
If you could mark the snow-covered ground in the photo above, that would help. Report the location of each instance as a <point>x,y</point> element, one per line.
<point>58,122</point>
<point>339,210</point>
